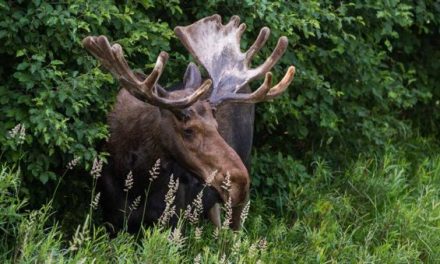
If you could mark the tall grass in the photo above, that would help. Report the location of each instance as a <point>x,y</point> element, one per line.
<point>381,209</point>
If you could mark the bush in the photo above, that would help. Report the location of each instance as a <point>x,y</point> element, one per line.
<point>381,209</point>
<point>366,72</point>
<point>10,206</point>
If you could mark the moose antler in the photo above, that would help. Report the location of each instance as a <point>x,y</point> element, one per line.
<point>217,48</point>
<point>112,58</point>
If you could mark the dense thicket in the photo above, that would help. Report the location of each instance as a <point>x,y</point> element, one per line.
<point>367,72</point>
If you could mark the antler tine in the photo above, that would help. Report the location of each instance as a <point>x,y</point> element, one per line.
<point>282,85</point>
<point>264,92</point>
<point>263,36</point>
<point>112,58</point>
<point>257,96</point>
<point>190,99</point>
<point>272,59</point>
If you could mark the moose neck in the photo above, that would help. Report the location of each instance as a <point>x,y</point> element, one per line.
<point>135,128</point>
<point>236,126</point>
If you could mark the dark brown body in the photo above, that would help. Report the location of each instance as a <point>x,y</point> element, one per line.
<point>179,127</point>
<point>236,126</point>
<point>133,147</point>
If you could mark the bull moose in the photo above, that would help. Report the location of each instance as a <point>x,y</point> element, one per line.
<point>194,129</point>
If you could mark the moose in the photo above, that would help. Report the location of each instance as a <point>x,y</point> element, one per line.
<point>201,131</point>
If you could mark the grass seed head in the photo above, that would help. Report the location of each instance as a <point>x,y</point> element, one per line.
<point>216,232</point>
<point>245,212</point>
<point>228,218</point>
<point>176,237</point>
<point>95,201</point>
<point>223,259</point>
<point>211,178</point>
<point>155,171</point>
<point>135,204</point>
<point>226,184</point>
<point>72,164</point>
<point>198,233</point>
<point>80,237</point>
<point>262,244</point>
<point>193,212</point>
<point>18,133</point>
<point>96,168</point>
<point>170,209</point>
<point>198,259</point>
<point>128,181</point>
<point>253,250</point>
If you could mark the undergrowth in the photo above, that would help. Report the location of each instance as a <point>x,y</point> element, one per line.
<point>381,209</point>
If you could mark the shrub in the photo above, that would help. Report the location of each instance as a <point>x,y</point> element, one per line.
<point>381,209</point>
<point>366,72</point>
<point>10,206</point>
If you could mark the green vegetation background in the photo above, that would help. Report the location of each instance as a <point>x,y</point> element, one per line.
<point>345,165</point>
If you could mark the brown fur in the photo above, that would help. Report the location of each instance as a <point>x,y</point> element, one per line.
<point>142,133</point>
<point>139,127</point>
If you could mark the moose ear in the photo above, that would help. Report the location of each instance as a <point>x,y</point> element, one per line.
<point>192,78</point>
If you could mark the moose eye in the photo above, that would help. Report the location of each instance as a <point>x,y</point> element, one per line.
<point>188,132</point>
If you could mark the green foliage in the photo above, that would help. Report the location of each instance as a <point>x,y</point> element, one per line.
<point>382,209</point>
<point>349,87</point>
<point>366,72</point>
<point>10,206</point>
<point>367,75</point>
<point>50,84</point>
